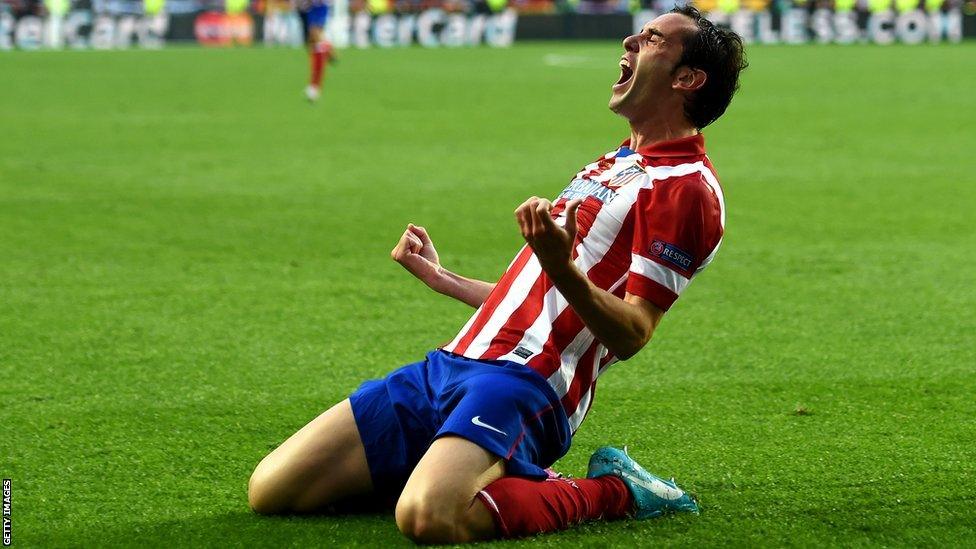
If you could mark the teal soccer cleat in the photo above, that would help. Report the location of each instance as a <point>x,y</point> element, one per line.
<point>653,496</point>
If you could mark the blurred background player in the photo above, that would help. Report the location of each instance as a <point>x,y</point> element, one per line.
<point>314,14</point>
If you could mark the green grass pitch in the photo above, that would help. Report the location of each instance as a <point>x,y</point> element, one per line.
<point>194,263</point>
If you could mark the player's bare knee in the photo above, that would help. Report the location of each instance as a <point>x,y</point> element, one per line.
<point>428,528</point>
<point>260,491</point>
<point>406,515</point>
<point>426,520</point>
<point>259,500</point>
<point>264,491</point>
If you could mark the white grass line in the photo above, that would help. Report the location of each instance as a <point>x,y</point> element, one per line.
<point>575,61</point>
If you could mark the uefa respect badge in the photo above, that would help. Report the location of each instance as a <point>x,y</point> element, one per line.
<point>672,254</point>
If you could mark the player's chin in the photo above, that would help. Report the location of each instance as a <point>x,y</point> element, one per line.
<point>616,102</point>
<point>619,95</point>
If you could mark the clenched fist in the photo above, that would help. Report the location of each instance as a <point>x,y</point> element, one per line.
<point>416,253</point>
<point>552,244</point>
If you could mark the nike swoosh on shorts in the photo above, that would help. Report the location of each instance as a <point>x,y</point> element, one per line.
<point>477,421</point>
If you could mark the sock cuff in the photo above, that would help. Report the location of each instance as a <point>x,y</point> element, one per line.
<point>624,500</point>
<point>495,512</point>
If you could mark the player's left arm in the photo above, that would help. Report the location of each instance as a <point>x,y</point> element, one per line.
<point>416,253</point>
<point>624,326</point>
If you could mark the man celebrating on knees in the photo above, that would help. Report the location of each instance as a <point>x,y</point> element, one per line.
<point>464,438</point>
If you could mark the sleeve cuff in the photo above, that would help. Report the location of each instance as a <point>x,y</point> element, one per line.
<point>650,290</point>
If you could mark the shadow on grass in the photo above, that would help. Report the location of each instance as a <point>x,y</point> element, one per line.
<point>240,528</point>
<point>358,525</point>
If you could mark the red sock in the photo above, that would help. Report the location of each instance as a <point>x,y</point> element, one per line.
<point>524,507</point>
<point>318,60</point>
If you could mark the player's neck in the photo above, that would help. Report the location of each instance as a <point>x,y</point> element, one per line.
<point>647,132</point>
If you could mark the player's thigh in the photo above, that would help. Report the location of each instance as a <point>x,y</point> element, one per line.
<point>438,503</point>
<point>315,34</point>
<point>324,462</point>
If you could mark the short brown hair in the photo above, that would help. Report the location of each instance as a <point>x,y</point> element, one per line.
<point>719,53</point>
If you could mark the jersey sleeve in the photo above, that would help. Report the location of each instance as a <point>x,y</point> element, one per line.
<point>677,227</point>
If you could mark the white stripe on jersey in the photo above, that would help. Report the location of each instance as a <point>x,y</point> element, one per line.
<point>665,172</point>
<point>576,418</point>
<point>561,379</point>
<point>664,276</point>
<point>605,367</point>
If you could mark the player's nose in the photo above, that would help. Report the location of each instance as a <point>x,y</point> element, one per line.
<point>630,43</point>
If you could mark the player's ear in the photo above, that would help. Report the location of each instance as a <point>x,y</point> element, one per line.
<point>688,79</point>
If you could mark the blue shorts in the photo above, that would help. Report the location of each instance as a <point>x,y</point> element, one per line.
<point>315,16</point>
<point>504,407</point>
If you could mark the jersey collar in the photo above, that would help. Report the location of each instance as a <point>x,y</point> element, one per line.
<point>686,146</point>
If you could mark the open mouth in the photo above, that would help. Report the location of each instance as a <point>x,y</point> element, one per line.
<point>626,73</point>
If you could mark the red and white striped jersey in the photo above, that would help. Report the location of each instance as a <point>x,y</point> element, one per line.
<point>650,221</point>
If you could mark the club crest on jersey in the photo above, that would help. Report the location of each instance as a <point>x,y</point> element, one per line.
<point>672,254</point>
<point>626,176</point>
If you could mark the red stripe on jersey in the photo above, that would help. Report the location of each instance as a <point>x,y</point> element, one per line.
<point>586,215</point>
<point>602,164</point>
<point>497,295</point>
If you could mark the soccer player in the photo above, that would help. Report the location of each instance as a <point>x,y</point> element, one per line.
<point>464,438</point>
<point>314,14</point>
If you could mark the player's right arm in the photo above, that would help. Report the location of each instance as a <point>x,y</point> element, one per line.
<point>416,253</point>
